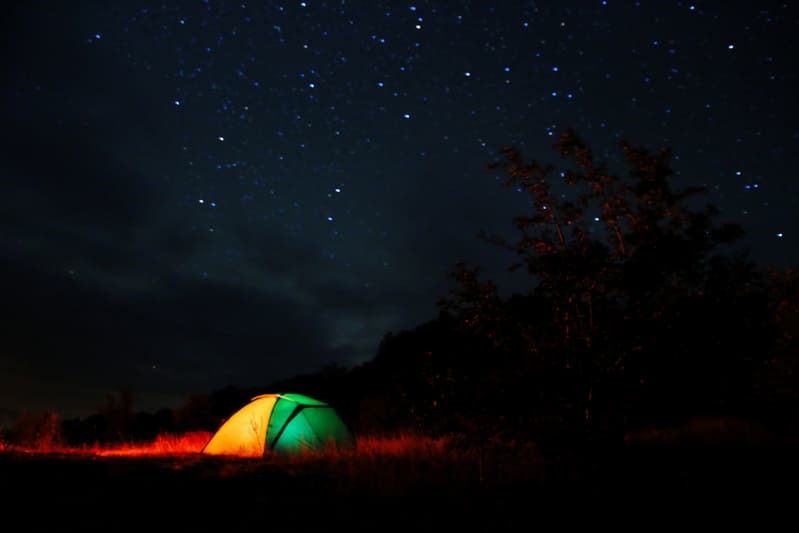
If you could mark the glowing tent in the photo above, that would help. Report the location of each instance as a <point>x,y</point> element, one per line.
<point>279,423</point>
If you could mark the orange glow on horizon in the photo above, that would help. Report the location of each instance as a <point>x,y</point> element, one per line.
<point>164,445</point>
<point>186,444</point>
<point>192,443</point>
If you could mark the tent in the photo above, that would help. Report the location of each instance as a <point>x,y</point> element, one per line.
<point>281,424</point>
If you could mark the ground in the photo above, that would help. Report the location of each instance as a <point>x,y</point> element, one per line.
<point>191,492</point>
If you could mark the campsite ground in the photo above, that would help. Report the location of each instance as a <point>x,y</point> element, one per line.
<point>440,489</point>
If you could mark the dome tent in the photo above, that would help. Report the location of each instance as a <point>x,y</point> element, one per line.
<point>280,424</point>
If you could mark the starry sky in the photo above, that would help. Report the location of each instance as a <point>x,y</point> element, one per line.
<point>196,194</point>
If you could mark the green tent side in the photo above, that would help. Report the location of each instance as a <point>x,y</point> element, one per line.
<point>303,400</point>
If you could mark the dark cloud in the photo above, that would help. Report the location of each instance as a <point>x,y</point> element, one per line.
<point>65,178</point>
<point>179,337</point>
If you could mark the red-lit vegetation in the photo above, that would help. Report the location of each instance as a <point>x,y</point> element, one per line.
<point>384,462</point>
<point>192,443</point>
<point>163,445</point>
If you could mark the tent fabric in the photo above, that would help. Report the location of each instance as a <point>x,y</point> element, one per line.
<point>280,424</point>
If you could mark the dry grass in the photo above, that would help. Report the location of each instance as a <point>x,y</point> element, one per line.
<point>391,461</point>
<point>386,482</point>
<point>403,444</point>
<point>163,445</point>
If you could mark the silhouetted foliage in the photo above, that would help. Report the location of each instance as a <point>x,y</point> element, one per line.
<point>118,414</point>
<point>637,310</point>
<point>41,431</point>
<point>208,411</point>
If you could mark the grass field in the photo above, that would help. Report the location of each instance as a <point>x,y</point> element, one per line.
<point>386,483</point>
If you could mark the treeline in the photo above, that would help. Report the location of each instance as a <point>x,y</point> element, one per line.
<point>640,311</point>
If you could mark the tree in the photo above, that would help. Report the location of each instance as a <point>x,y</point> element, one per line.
<point>618,266</point>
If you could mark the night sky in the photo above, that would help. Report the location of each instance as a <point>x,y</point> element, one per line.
<point>198,194</point>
